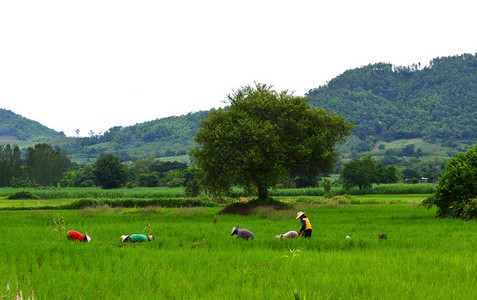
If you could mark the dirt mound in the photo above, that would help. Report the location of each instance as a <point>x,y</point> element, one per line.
<point>245,208</point>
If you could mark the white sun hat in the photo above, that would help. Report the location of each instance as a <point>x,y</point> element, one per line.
<point>298,214</point>
<point>233,230</point>
<point>88,239</point>
<point>123,237</point>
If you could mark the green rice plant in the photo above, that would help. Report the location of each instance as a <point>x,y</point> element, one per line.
<point>423,258</point>
<point>293,254</point>
<point>147,230</point>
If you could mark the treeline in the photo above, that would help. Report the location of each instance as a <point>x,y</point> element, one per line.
<point>42,166</point>
<point>438,101</point>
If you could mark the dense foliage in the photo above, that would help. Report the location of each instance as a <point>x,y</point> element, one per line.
<point>10,164</point>
<point>365,171</point>
<point>263,138</point>
<point>46,165</point>
<point>21,128</point>
<point>108,172</point>
<point>456,192</point>
<point>437,101</point>
<point>166,137</point>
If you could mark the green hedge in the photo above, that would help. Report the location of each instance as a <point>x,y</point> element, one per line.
<point>83,203</point>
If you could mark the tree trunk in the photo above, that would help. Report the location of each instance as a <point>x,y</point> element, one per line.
<point>262,193</point>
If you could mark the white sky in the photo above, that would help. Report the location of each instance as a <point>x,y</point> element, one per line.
<point>92,65</point>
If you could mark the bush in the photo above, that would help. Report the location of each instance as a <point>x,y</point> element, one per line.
<point>457,187</point>
<point>470,210</point>
<point>23,195</point>
<point>80,204</point>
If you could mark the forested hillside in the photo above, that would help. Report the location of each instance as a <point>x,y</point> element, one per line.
<point>435,102</point>
<point>13,126</point>
<point>166,137</point>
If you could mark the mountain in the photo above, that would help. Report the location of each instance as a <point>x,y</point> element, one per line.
<point>436,103</point>
<point>16,127</point>
<point>433,106</point>
<point>166,137</point>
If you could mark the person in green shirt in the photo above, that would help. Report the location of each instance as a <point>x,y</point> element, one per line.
<point>136,238</point>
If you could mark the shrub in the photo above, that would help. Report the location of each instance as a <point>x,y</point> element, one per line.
<point>23,195</point>
<point>470,210</point>
<point>80,204</point>
<point>457,188</point>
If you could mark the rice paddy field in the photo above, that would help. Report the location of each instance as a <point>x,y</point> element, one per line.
<point>194,256</point>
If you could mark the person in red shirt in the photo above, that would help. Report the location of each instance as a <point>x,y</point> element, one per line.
<point>76,236</point>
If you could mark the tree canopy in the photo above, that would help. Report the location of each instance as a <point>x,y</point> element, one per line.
<point>456,192</point>
<point>263,138</point>
<point>365,171</point>
<point>46,165</point>
<point>109,172</point>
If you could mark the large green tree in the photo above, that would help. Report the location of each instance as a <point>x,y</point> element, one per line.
<point>46,165</point>
<point>264,137</point>
<point>109,173</point>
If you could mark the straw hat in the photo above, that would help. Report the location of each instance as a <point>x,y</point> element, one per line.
<point>88,239</point>
<point>123,237</point>
<point>298,214</point>
<point>233,230</point>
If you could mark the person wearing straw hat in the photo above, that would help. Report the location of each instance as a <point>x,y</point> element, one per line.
<point>305,225</point>
<point>242,233</point>
<point>76,236</point>
<point>136,238</point>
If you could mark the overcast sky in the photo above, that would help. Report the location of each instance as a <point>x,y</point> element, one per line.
<point>92,65</point>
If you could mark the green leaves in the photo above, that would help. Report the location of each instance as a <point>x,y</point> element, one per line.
<point>263,138</point>
<point>458,186</point>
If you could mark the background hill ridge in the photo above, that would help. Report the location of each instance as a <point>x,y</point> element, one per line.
<point>436,104</point>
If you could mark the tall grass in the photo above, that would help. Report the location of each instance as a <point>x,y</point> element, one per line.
<point>164,192</point>
<point>96,192</point>
<point>194,256</point>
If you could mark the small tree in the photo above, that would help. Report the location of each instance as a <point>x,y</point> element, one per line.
<point>359,172</point>
<point>456,191</point>
<point>109,173</point>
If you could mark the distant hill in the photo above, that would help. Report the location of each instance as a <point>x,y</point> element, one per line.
<point>436,103</point>
<point>16,127</point>
<point>432,105</point>
<point>166,137</point>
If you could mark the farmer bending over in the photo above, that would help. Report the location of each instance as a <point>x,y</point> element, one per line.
<point>137,238</point>
<point>289,235</point>
<point>76,236</point>
<point>242,233</point>
<point>305,224</point>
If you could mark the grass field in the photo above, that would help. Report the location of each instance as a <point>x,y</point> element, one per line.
<point>194,256</point>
